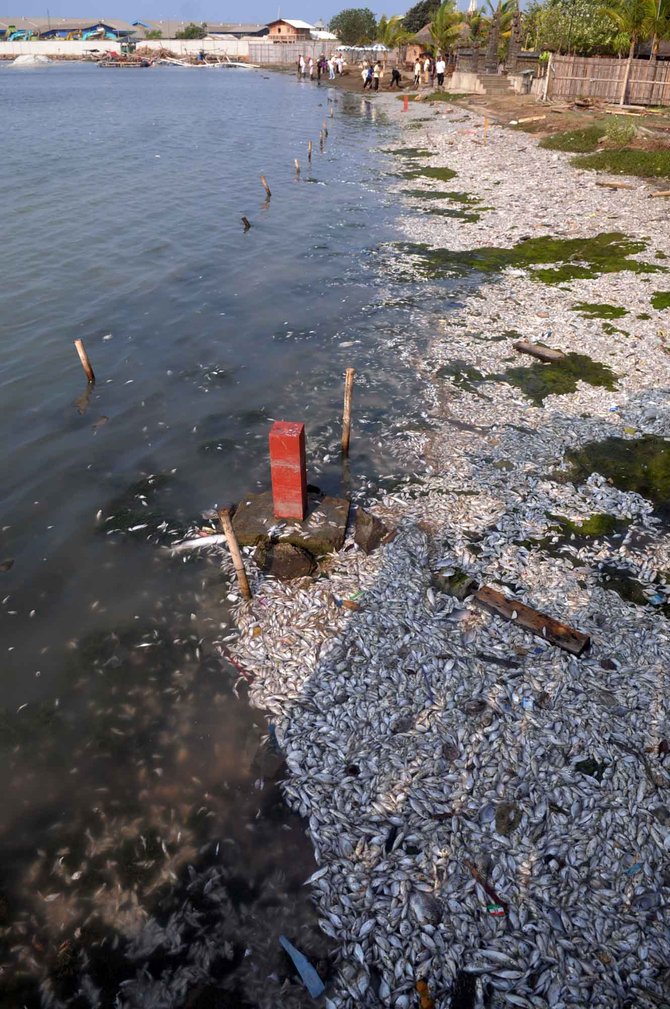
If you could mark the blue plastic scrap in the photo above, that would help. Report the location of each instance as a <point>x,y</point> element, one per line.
<point>309,976</point>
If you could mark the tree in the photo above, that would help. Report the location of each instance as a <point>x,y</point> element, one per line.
<point>155,33</point>
<point>636,20</point>
<point>354,26</point>
<point>392,33</point>
<point>192,31</point>
<point>568,25</point>
<point>446,26</point>
<point>417,17</point>
<point>660,28</point>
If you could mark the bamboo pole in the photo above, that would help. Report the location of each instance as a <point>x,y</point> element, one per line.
<point>325,128</point>
<point>85,363</point>
<point>309,151</point>
<point>332,113</point>
<point>297,167</point>
<point>346,420</point>
<point>233,546</point>
<point>264,183</point>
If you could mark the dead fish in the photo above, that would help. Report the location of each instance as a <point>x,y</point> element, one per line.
<point>7,565</point>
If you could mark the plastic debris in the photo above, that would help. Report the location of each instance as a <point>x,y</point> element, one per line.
<point>496,910</point>
<point>308,975</point>
<point>425,999</point>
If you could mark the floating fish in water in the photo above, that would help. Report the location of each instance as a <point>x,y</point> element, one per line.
<point>309,976</point>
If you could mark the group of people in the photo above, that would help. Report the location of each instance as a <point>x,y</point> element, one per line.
<point>430,70</point>
<point>372,74</point>
<point>333,66</point>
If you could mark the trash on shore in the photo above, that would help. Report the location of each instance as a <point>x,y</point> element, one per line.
<point>308,974</point>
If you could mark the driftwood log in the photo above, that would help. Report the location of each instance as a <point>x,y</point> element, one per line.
<point>546,627</point>
<point>659,192</point>
<point>542,353</point>
<point>616,185</point>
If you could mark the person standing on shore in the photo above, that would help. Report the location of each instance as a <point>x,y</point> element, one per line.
<point>311,68</point>
<point>339,63</point>
<point>426,69</point>
<point>395,78</point>
<point>301,66</point>
<point>440,70</point>
<point>417,73</point>
<point>332,62</point>
<point>376,75</point>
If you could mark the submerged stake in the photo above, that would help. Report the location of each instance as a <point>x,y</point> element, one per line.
<point>233,546</point>
<point>346,420</point>
<point>309,151</point>
<point>297,167</point>
<point>246,223</point>
<point>264,181</point>
<point>85,363</point>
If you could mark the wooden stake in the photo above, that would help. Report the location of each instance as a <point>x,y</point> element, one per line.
<point>325,129</point>
<point>332,113</point>
<point>85,363</point>
<point>309,151</point>
<point>486,129</point>
<point>346,420</point>
<point>531,620</point>
<point>542,353</point>
<point>264,182</point>
<point>233,546</point>
<point>616,185</point>
<point>297,167</point>
<point>246,223</point>
<point>659,192</point>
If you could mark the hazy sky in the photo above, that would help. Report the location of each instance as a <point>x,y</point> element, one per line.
<point>193,10</point>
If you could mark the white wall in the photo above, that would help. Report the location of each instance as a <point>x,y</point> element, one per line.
<point>61,47</point>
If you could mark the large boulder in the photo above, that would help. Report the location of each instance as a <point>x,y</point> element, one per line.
<point>369,531</point>
<point>284,561</point>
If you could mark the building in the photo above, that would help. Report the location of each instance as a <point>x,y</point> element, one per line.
<point>285,30</point>
<point>237,31</point>
<point>26,28</point>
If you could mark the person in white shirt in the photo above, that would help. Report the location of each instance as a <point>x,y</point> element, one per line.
<point>440,70</point>
<point>426,70</point>
<point>417,73</point>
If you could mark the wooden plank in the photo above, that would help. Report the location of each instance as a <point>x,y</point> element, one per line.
<point>542,353</point>
<point>531,620</point>
<point>659,192</point>
<point>616,185</point>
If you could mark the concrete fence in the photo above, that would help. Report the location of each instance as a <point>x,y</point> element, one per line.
<point>287,53</point>
<point>592,77</point>
<point>234,48</point>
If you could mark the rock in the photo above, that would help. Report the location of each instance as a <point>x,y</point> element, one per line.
<point>322,532</point>
<point>508,818</point>
<point>458,584</point>
<point>369,531</point>
<point>284,561</point>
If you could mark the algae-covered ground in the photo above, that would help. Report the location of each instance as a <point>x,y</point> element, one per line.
<point>548,259</point>
<point>559,378</point>
<point>661,299</point>
<point>645,164</point>
<point>441,174</point>
<point>641,465</point>
<point>597,310</point>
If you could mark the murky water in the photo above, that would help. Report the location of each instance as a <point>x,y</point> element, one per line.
<point>145,853</point>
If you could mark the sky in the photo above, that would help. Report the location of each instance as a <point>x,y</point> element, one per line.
<point>259,11</point>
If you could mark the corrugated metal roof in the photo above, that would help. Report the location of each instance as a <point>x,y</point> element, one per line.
<point>62,24</point>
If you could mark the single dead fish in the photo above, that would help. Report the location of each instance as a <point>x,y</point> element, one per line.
<point>7,564</point>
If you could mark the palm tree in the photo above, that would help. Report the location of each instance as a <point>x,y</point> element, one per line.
<point>446,26</point>
<point>660,28</point>
<point>391,32</point>
<point>636,19</point>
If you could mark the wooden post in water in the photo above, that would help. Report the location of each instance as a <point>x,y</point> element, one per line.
<point>233,546</point>
<point>332,112</point>
<point>346,420</point>
<point>325,129</point>
<point>246,223</point>
<point>264,182</point>
<point>297,167</point>
<point>309,151</point>
<point>85,363</point>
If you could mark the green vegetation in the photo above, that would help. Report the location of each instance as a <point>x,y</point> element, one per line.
<point>445,26</point>
<point>643,316</point>
<point>551,260</point>
<point>645,164</point>
<point>641,465</point>
<point>660,300</point>
<point>598,310</point>
<point>192,31</point>
<point>431,194</point>
<point>155,33</point>
<point>583,141</point>
<point>354,26</point>
<point>578,25</point>
<point>468,216</point>
<point>410,152</point>
<point>618,133</point>
<point>560,378</point>
<point>417,17</point>
<point>445,96</point>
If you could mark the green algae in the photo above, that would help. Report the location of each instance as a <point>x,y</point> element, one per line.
<point>410,152</point>
<point>462,374</point>
<point>599,310</point>
<point>643,316</point>
<point>558,378</point>
<point>610,329</point>
<point>441,194</point>
<point>468,216</point>
<point>595,526</point>
<point>640,464</point>
<point>547,259</point>
<point>442,174</point>
<point>644,164</point>
<point>660,300</point>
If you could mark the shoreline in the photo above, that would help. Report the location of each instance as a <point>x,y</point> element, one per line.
<point>439,754</point>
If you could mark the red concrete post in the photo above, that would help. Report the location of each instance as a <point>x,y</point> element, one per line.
<point>289,470</point>
<point>405,104</point>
